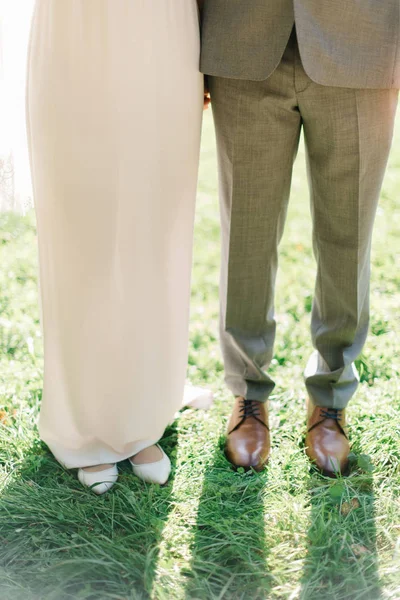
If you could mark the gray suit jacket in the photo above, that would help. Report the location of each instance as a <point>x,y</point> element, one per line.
<point>345,43</point>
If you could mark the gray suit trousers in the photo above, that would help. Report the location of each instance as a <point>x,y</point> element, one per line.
<point>348,134</point>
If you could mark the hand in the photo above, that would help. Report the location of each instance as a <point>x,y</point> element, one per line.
<point>207,98</point>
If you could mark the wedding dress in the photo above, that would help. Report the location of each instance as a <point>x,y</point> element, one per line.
<point>114,116</point>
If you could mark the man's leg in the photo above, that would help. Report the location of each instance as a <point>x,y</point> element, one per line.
<point>348,135</point>
<point>258,127</point>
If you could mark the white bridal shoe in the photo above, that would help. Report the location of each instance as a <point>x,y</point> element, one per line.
<point>102,479</point>
<point>152,472</point>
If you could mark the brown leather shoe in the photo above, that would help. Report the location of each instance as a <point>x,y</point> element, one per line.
<point>327,444</point>
<point>248,443</point>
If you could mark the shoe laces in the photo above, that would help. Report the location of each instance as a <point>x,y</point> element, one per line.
<point>249,408</point>
<point>331,413</point>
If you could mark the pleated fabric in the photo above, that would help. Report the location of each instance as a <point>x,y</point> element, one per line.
<point>114,118</point>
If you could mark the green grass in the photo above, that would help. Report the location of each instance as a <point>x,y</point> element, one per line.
<point>211,533</point>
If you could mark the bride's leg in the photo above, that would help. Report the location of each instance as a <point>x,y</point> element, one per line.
<point>148,455</point>
<point>97,468</point>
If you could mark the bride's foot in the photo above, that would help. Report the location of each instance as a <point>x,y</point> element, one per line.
<point>100,478</point>
<point>151,464</point>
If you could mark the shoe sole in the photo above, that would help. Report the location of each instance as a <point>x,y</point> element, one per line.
<point>332,475</point>
<point>257,468</point>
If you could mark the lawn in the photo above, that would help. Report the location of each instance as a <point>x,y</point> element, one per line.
<point>211,533</point>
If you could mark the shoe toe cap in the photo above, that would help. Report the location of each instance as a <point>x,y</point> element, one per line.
<point>99,482</point>
<point>331,460</point>
<point>156,472</point>
<point>244,453</point>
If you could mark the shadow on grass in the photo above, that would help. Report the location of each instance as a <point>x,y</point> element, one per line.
<point>229,554</point>
<point>59,541</point>
<point>341,563</point>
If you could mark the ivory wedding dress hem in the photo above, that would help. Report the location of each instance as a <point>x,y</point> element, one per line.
<point>97,453</point>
